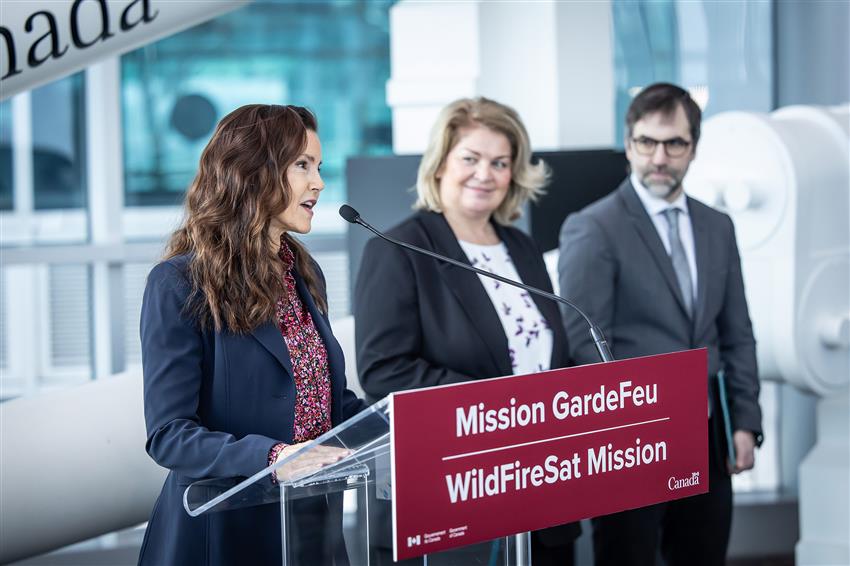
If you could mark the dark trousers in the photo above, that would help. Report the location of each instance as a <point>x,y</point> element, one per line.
<point>693,531</point>
<point>486,554</point>
<point>543,554</point>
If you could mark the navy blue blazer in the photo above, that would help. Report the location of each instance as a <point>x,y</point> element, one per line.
<point>420,322</point>
<point>215,404</point>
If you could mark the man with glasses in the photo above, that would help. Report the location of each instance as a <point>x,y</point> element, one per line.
<point>660,272</point>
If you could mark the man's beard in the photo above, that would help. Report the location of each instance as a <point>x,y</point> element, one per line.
<point>662,190</point>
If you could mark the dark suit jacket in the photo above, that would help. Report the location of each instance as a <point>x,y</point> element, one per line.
<point>215,404</point>
<point>614,266</point>
<point>420,322</point>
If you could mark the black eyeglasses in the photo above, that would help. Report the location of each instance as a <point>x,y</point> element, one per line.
<point>676,147</point>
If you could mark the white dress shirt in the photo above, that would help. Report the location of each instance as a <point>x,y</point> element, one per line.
<point>655,207</point>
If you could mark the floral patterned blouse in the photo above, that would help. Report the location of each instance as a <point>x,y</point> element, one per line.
<point>309,361</point>
<point>529,336</point>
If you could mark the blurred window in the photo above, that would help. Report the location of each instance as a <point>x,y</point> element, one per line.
<point>720,51</point>
<point>68,306</point>
<point>332,57</point>
<point>45,304</point>
<point>58,144</point>
<point>3,326</point>
<point>6,179</point>
<point>63,308</point>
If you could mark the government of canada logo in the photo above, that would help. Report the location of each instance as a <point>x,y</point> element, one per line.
<point>678,483</point>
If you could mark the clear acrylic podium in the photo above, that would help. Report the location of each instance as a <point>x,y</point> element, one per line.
<point>339,514</point>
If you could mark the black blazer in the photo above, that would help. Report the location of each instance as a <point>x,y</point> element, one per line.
<point>614,266</point>
<point>215,404</point>
<point>420,322</point>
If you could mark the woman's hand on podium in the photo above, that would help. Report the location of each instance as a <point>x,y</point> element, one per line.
<point>309,462</point>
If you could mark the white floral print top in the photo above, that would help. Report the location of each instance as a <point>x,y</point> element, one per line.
<point>528,333</point>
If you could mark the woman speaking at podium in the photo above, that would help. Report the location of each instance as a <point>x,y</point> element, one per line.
<point>421,323</point>
<point>240,365</point>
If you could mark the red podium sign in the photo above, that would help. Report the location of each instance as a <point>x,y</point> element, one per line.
<point>486,459</point>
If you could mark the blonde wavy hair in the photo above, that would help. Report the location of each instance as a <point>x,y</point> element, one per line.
<point>527,178</point>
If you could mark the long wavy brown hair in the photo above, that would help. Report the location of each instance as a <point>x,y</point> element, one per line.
<point>240,187</point>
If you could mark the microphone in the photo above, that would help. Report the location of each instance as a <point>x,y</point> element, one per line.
<point>352,216</point>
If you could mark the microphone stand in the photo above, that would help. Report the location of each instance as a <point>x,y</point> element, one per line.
<point>522,541</point>
<point>352,216</point>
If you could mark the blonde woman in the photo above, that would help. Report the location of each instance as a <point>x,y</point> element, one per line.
<point>421,323</point>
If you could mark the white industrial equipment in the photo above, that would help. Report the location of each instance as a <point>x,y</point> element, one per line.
<point>784,179</point>
<point>73,466</point>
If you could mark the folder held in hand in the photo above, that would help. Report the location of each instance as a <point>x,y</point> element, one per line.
<point>727,420</point>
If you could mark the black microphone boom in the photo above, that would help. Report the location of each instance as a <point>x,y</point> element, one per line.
<point>352,216</point>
